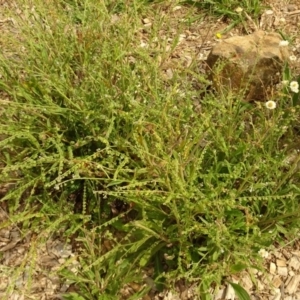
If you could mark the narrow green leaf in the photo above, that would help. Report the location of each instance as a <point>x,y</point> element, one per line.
<point>240,292</point>
<point>158,270</point>
<point>205,295</point>
<point>238,267</point>
<point>73,296</point>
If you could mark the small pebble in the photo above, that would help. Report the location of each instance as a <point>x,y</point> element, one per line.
<point>291,7</point>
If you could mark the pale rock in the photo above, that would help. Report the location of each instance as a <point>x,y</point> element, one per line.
<point>61,260</point>
<point>191,292</point>
<point>282,271</point>
<point>184,295</point>
<point>251,64</point>
<point>267,20</point>
<point>114,18</point>
<point>287,281</point>
<point>272,268</point>
<point>260,286</point>
<point>220,294</point>
<point>230,294</point>
<point>169,73</point>
<point>246,281</point>
<point>188,60</point>
<point>274,292</point>
<point>267,278</point>
<point>171,296</point>
<point>286,254</point>
<point>277,254</point>
<point>296,252</point>
<point>64,287</point>
<point>21,250</point>
<point>182,37</point>
<point>291,273</point>
<point>293,284</point>
<point>16,296</point>
<point>277,296</point>
<point>294,263</point>
<point>291,7</point>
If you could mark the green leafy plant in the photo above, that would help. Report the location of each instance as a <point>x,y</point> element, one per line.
<point>228,8</point>
<point>97,142</point>
<point>73,296</point>
<point>236,11</point>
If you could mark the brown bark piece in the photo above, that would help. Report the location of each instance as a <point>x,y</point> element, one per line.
<point>280,263</point>
<point>276,282</point>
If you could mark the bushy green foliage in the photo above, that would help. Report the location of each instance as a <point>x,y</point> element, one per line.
<point>234,11</point>
<point>93,136</point>
<point>228,8</point>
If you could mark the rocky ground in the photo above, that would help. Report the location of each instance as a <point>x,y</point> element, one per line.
<point>28,270</point>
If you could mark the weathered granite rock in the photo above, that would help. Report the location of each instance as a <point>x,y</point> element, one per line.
<point>252,64</point>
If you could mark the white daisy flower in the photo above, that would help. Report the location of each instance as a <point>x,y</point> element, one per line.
<point>293,57</point>
<point>238,10</point>
<point>270,104</point>
<point>263,253</point>
<point>294,86</point>
<point>283,43</point>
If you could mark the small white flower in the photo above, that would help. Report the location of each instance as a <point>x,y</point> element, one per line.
<point>263,253</point>
<point>169,257</point>
<point>283,43</point>
<point>293,58</point>
<point>294,86</point>
<point>270,104</point>
<point>238,10</point>
<point>143,45</point>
